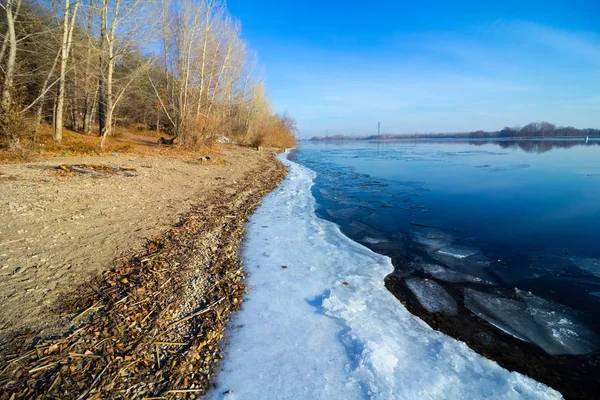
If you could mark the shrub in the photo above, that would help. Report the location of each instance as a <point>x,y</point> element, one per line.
<point>15,128</point>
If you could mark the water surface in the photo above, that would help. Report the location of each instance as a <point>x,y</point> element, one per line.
<point>514,225</point>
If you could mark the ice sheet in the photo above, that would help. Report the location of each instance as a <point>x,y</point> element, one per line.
<point>591,265</point>
<point>553,327</point>
<point>458,251</point>
<point>507,314</point>
<point>561,322</point>
<point>432,296</point>
<point>444,274</point>
<point>433,239</point>
<point>474,265</point>
<point>325,327</point>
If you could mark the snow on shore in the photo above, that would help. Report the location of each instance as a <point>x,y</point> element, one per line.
<point>325,327</point>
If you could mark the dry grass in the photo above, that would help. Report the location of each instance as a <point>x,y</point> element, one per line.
<point>278,140</point>
<point>130,140</point>
<point>275,136</point>
<point>136,139</point>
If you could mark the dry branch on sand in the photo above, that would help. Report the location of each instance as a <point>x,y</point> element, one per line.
<point>151,327</point>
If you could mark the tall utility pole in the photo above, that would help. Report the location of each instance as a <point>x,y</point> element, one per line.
<point>378,128</point>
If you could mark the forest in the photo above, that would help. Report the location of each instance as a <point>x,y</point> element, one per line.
<point>178,67</point>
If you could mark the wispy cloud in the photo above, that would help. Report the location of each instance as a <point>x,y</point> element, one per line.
<point>583,44</point>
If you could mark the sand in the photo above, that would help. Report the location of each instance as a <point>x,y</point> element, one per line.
<point>57,231</point>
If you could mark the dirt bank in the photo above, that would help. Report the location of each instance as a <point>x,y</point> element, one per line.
<point>150,321</point>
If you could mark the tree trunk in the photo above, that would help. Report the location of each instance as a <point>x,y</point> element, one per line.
<point>90,107</point>
<point>7,34</point>
<point>90,93</point>
<point>108,54</point>
<point>64,57</point>
<point>40,109</point>
<point>102,78</point>
<point>12,56</point>
<point>12,139</point>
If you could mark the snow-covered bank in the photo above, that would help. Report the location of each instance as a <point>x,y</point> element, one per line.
<point>325,326</point>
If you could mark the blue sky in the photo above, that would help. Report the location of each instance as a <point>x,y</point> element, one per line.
<point>427,66</point>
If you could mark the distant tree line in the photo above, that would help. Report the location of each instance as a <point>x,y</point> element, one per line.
<point>532,130</point>
<point>179,66</point>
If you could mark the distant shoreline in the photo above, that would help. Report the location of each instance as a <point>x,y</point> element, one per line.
<point>435,137</point>
<point>534,130</point>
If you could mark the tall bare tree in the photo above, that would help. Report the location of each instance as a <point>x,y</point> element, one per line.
<point>11,10</point>
<point>10,42</point>
<point>69,15</point>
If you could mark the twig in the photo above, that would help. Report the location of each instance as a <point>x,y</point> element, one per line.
<point>184,391</point>
<point>22,357</point>
<point>99,343</point>
<point>157,357</point>
<point>95,381</point>
<point>95,305</point>
<point>207,309</point>
<point>54,383</point>
<point>147,316</point>
<point>31,371</point>
<point>174,344</point>
<point>84,355</point>
<point>164,284</point>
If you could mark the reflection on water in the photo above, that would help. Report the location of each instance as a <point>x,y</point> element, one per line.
<point>514,223</point>
<point>537,146</point>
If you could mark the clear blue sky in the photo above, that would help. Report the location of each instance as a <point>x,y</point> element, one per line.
<point>427,66</point>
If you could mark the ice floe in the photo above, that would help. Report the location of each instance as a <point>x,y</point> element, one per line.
<point>474,265</point>
<point>591,265</point>
<point>433,239</point>
<point>551,326</point>
<point>458,251</point>
<point>432,296</point>
<point>444,274</point>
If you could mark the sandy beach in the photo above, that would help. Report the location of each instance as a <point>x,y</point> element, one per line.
<point>116,249</point>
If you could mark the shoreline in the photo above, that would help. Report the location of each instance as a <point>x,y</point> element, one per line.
<point>161,315</point>
<point>152,325</point>
<point>319,321</point>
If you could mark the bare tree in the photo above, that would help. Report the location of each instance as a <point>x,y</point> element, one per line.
<point>91,85</point>
<point>69,15</point>
<point>11,9</point>
<point>122,15</point>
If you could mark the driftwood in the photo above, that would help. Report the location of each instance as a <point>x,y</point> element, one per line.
<point>90,169</point>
